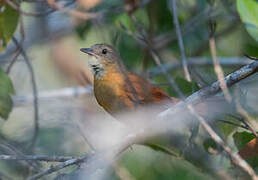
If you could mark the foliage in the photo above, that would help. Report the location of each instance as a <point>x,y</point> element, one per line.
<point>242,138</point>
<point>6,89</point>
<point>248,11</point>
<point>183,155</point>
<point>247,146</point>
<point>8,22</point>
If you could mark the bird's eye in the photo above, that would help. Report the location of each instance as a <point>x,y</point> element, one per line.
<point>104,51</point>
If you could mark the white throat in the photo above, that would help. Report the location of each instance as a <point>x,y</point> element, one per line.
<point>96,67</point>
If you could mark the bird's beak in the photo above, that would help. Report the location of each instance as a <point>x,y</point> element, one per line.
<point>89,51</point>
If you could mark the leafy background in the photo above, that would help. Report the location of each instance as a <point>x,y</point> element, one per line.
<point>52,42</point>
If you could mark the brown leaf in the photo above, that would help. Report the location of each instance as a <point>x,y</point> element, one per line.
<point>250,149</point>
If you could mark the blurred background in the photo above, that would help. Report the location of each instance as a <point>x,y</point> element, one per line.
<point>40,42</point>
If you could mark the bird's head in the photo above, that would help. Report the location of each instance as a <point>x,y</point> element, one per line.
<point>101,58</point>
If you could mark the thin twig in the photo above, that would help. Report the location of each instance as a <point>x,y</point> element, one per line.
<point>251,57</point>
<point>60,166</point>
<point>169,78</point>
<point>173,11</point>
<point>93,157</point>
<point>214,88</point>
<point>35,92</point>
<point>59,93</point>
<point>146,43</point>
<point>108,155</point>
<point>243,112</point>
<point>14,59</point>
<point>218,70</point>
<point>227,30</point>
<point>18,50</point>
<point>10,149</point>
<point>230,80</point>
<point>232,123</point>
<point>37,158</point>
<point>236,158</point>
<point>200,61</point>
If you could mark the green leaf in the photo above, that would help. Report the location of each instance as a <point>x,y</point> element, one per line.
<point>225,128</point>
<point>6,89</point>
<point>5,106</point>
<point>242,138</point>
<point>8,22</point>
<point>248,11</point>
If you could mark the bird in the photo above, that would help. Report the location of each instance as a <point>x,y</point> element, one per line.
<point>117,89</point>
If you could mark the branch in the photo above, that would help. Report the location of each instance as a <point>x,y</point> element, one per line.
<point>93,157</point>
<point>37,158</point>
<point>196,97</point>
<point>18,50</point>
<point>10,149</point>
<point>61,165</point>
<point>236,158</point>
<point>143,40</point>
<point>242,112</point>
<point>217,67</point>
<point>45,95</point>
<point>201,61</point>
<point>230,80</point>
<point>173,11</point>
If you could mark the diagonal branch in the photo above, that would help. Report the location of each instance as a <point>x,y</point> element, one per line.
<point>218,70</point>
<point>230,80</point>
<point>214,88</point>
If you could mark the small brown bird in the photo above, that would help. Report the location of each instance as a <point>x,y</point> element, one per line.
<point>115,88</point>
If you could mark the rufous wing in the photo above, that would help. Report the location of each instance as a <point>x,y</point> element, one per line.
<point>145,92</point>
